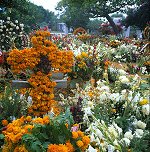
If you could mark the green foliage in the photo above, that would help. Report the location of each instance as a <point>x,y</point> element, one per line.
<point>141,144</point>
<point>12,105</point>
<point>93,25</point>
<point>55,132</point>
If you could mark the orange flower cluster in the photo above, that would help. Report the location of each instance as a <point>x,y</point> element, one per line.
<point>19,127</point>
<point>68,147</point>
<point>42,94</point>
<point>82,140</point>
<point>79,30</point>
<point>42,59</point>
<point>106,64</point>
<point>24,59</point>
<point>16,130</point>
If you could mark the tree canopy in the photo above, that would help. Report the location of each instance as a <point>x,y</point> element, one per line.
<point>27,13</point>
<point>97,8</point>
<point>73,14</point>
<point>139,16</point>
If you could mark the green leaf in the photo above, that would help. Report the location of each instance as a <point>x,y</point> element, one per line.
<point>2,136</point>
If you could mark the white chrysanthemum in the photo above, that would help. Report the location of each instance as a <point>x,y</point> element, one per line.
<point>17,27</point>
<point>146,109</point>
<point>115,97</point>
<point>139,133</point>
<point>21,25</point>
<point>141,124</point>
<point>16,21</point>
<point>123,79</point>
<point>128,135</point>
<point>122,72</point>
<point>8,18</point>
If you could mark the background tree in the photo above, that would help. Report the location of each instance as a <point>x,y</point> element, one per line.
<point>140,16</point>
<point>73,14</point>
<point>27,13</point>
<point>94,25</point>
<point>98,8</point>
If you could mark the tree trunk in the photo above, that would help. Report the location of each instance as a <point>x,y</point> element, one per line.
<point>110,20</point>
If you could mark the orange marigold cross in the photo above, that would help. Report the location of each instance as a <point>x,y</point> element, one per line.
<point>41,60</point>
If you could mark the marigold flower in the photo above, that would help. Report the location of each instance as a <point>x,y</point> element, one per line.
<point>74,135</point>
<point>80,133</point>
<point>86,140</point>
<point>79,143</point>
<point>4,122</point>
<point>28,118</point>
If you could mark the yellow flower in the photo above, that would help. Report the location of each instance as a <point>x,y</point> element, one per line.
<point>143,102</point>
<point>79,143</point>
<point>84,54</point>
<point>113,110</point>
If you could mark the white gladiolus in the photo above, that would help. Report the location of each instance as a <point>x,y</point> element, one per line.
<point>111,148</point>
<point>98,133</point>
<point>126,141</point>
<point>91,149</point>
<point>141,124</point>
<point>146,109</point>
<point>88,111</point>
<point>115,142</point>
<point>128,135</point>
<point>92,138</point>
<point>112,131</point>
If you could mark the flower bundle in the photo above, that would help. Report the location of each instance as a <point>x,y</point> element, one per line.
<point>85,63</point>
<point>40,61</point>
